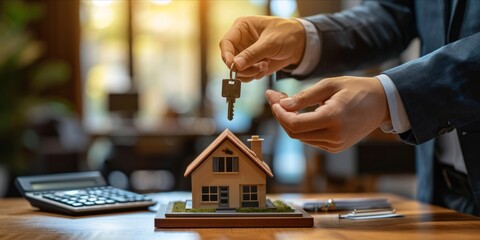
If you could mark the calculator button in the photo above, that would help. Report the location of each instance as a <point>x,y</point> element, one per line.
<point>119,199</point>
<point>102,197</point>
<point>72,192</point>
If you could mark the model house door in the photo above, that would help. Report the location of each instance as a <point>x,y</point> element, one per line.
<point>223,203</point>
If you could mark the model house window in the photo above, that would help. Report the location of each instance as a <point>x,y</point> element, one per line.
<point>225,164</point>
<point>209,194</point>
<point>249,196</point>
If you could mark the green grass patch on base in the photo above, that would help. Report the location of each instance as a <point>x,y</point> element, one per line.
<point>180,207</point>
<point>279,207</point>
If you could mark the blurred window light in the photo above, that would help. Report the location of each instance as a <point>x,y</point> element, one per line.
<point>102,17</point>
<point>161,2</point>
<point>104,57</point>
<point>98,152</point>
<point>283,8</point>
<point>102,3</point>
<point>118,179</point>
<point>260,3</point>
<point>289,161</point>
<point>166,58</point>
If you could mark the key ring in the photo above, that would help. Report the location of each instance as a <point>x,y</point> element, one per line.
<point>231,70</point>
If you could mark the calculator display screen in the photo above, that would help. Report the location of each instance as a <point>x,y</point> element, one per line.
<point>39,186</point>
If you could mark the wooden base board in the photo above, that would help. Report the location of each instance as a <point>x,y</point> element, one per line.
<point>162,220</point>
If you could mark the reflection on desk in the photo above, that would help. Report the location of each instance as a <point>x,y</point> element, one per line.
<point>18,220</point>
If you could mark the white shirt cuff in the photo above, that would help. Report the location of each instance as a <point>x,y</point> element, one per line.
<point>399,119</point>
<point>311,54</point>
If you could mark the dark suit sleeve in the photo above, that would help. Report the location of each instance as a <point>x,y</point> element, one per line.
<point>362,36</point>
<point>441,90</point>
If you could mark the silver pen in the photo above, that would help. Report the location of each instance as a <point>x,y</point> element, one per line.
<point>365,213</point>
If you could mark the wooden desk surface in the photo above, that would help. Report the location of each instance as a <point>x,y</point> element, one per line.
<point>18,220</point>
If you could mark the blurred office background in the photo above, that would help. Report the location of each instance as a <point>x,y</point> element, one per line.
<point>131,88</point>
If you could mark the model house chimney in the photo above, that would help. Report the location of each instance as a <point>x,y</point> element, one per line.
<point>256,145</point>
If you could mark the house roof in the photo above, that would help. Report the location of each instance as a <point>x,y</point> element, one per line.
<point>227,134</point>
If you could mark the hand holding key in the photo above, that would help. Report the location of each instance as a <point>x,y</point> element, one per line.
<point>231,90</point>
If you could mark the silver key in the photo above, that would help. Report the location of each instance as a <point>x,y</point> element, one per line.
<point>231,90</point>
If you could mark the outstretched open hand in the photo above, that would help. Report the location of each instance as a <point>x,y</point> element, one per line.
<point>349,109</point>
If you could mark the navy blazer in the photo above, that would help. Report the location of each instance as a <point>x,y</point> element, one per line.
<point>440,90</point>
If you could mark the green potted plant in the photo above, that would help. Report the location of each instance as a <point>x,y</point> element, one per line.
<point>24,79</point>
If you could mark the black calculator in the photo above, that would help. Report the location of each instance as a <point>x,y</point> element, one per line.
<point>78,194</point>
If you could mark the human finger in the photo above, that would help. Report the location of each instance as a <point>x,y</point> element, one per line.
<point>274,96</point>
<point>315,135</point>
<point>243,45</point>
<point>327,146</point>
<point>237,38</point>
<point>296,122</point>
<point>227,47</point>
<point>316,142</point>
<point>315,94</point>
<point>255,53</point>
<point>254,70</point>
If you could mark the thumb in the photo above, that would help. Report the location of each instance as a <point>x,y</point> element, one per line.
<point>256,52</point>
<point>316,94</point>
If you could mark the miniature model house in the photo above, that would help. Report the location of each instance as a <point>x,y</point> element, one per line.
<point>228,174</point>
